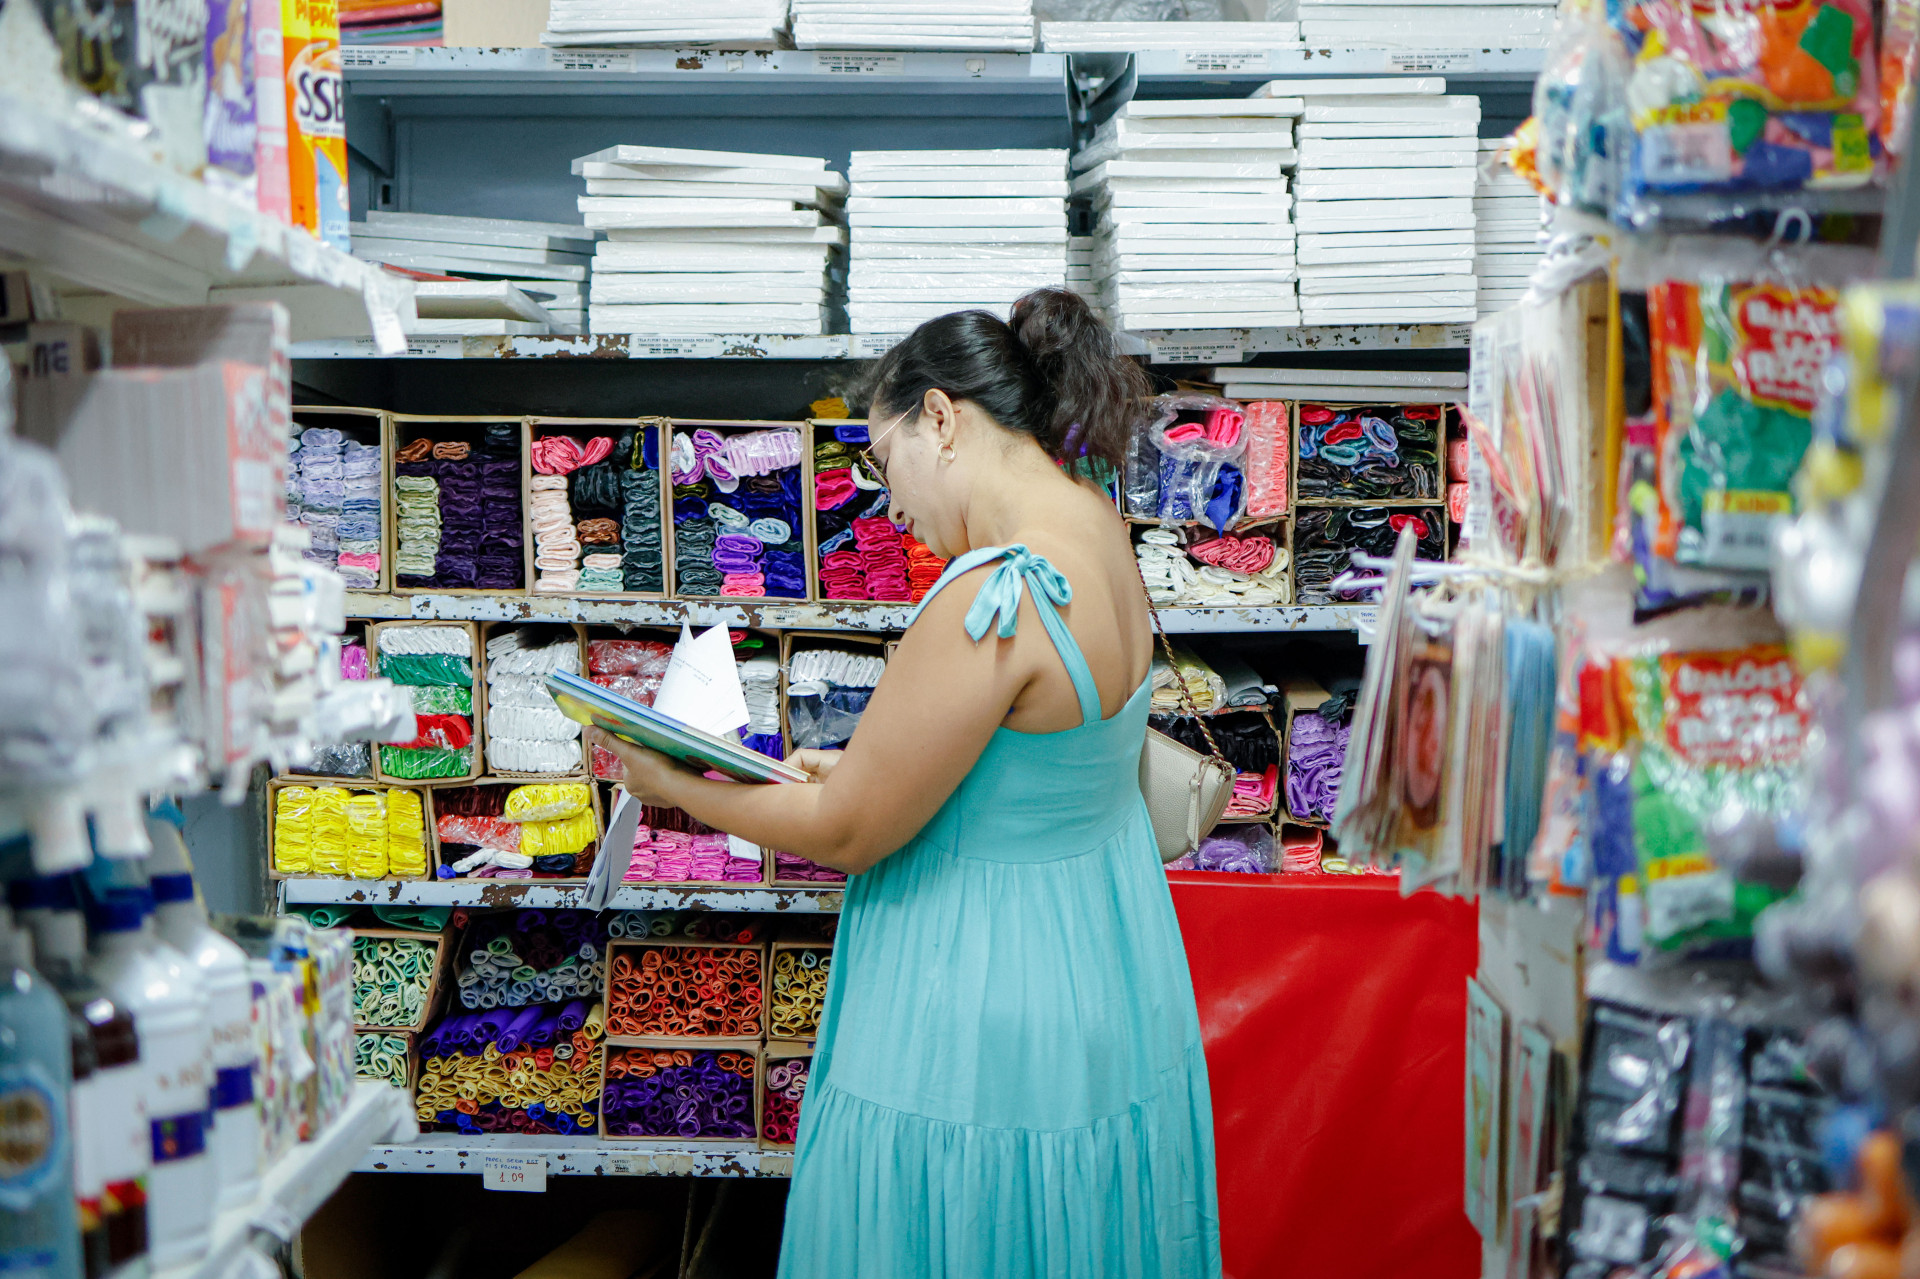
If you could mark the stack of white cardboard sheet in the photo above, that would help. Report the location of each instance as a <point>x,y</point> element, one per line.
<point>1384,200</point>
<point>1193,227</point>
<point>985,25</point>
<point>1137,37</point>
<point>1425,24</point>
<point>546,262</point>
<point>1506,230</point>
<point>1340,386</point>
<point>736,24</point>
<point>940,231</point>
<point>710,242</point>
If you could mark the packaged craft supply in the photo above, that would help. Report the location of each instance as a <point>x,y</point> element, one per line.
<point>1187,463</point>
<point>830,679</point>
<point>739,530</point>
<point>231,133</point>
<point>1317,742</point>
<point>1250,743</point>
<point>1244,850</point>
<point>316,120</point>
<point>670,847</point>
<point>631,666</point>
<point>383,1056</point>
<point>364,833</point>
<point>335,488</point>
<point>498,830</point>
<point>528,957</point>
<point>1325,538</point>
<point>783,1088</point>
<point>1194,568</point>
<point>1371,453</point>
<point>397,977</point>
<point>797,989</point>
<point>1768,97</point>
<point>682,990</point>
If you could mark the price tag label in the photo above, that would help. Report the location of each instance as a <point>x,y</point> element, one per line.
<point>1431,60</point>
<point>1202,60</point>
<point>526,1174</point>
<point>645,348</point>
<point>365,56</point>
<point>1193,352</point>
<point>567,60</point>
<point>867,346</point>
<point>1366,622</point>
<point>860,63</point>
<point>625,1166</point>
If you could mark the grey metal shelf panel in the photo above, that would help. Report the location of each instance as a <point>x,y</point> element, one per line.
<point>587,72</point>
<point>1304,60</point>
<point>528,894</point>
<point>803,616</point>
<point>580,1156</point>
<point>1209,346</point>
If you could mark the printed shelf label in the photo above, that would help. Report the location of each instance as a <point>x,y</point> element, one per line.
<point>524,1174</point>
<point>1203,60</point>
<point>860,63</point>
<point>1178,352</point>
<point>563,61</point>
<point>1431,60</point>
<point>646,348</point>
<point>364,56</point>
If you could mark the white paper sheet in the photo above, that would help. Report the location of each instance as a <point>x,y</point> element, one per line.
<point>701,687</point>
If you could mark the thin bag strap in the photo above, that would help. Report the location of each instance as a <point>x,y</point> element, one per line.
<point>1180,680</point>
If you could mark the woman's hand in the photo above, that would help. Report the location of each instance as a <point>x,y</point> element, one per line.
<point>648,773</point>
<point>815,764</point>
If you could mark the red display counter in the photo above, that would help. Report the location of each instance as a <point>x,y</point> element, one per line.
<point>1334,1012</point>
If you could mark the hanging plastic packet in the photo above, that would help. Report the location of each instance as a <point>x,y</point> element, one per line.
<point>1751,95</point>
<point>1899,46</point>
<point>1198,452</point>
<point>1581,133</point>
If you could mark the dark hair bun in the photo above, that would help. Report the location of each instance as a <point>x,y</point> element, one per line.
<point>1054,373</point>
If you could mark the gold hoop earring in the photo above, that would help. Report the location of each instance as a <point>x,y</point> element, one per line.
<point>946,452</point>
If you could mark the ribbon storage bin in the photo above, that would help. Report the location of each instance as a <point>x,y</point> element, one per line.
<point>399,977</point>
<point>669,847</point>
<point>386,1057</point>
<point>785,1065</point>
<point>526,735</point>
<point>859,555</point>
<point>1316,749</point>
<point>596,508</point>
<point>459,501</point>
<point>441,663</point>
<point>1325,538</point>
<point>709,1092</point>
<point>532,1070</point>
<point>358,830</point>
<point>502,828</point>
<point>340,486</point>
<point>738,503</point>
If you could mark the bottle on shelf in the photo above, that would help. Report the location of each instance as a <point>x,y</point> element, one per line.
<point>112,1152</point>
<point>39,1221</point>
<point>182,921</point>
<point>176,1052</point>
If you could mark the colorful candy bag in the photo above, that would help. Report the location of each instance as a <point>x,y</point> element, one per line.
<point>1735,374</point>
<point>1751,95</point>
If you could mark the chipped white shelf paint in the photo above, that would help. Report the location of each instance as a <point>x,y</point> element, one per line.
<point>797,616</point>
<point>601,346</point>
<point>294,1188</point>
<point>533,894</point>
<point>84,201</point>
<point>580,1156</point>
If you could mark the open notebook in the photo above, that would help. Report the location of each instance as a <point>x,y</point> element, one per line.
<point>588,703</point>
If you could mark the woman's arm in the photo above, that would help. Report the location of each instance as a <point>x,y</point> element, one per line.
<point>931,716</point>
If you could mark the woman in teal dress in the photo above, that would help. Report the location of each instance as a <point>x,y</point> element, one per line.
<point>1009,1079</point>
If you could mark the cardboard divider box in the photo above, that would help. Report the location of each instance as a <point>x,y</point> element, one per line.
<point>406,428</point>
<point>584,429</point>
<point>807,1028</point>
<point>776,1052</point>
<point>745,1047</point>
<point>677,503</point>
<point>632,950</point>
<point>543,632</point>
<point>1436,457</point>
<point>1297,695</point>
<point>438,988</point>
<point>374,656</point>
<point>456,851</point>
<point>278,785</point>
<point>412,1079</point>
<point>361,426</point>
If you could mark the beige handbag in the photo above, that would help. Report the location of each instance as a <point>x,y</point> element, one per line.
<point>1185,791</point>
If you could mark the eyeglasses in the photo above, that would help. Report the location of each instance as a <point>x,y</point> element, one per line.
<point>876,469</point>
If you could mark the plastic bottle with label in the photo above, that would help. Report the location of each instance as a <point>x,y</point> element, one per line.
<point>111,1150</point>
<point>39,1222</point>
<point>176,1052</point>
<point>182,920</point>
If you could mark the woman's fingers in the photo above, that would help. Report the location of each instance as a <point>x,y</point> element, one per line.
<point>815,764</point>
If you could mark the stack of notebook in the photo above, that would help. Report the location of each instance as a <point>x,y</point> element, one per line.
<point>737,24</point>
<point>1425,24</point>
<point>547,261</point>
<point>1506,229</point>
<point>1080,255</point>
<point>710,242</point>
<point>1384,200</point>
<point>1193,225</point>
<point>940,231</point>
<point>1134,37</point>
<point>913,24</point>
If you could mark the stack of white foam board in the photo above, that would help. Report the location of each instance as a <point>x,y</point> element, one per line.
<point>477,308</point>
<point>553,257</point>
<point>1339,386</point>
<point>1194,229</point>
<point>1134,37</point>
<point>1425,24</point>
<point>1506,229</point>
<point>737,24</point>
<point>914,24</point>
<point>1080,255</point>
<point>940,231</point>
<point>1384,200</point>
<point>703,242</point>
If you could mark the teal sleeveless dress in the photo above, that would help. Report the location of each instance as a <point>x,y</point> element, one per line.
<point>1008,1081</point>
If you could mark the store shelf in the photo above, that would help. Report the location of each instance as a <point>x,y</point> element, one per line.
<point>580,1156</point>
<point>84,201</point>
<point>801,616</point>
<point>294,1188</point>
<point>564,72</point>
<point>1302,60</point>
<point>532,894</point>
<point>1170,346</point>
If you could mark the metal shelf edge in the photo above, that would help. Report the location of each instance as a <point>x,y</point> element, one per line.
<point>532,894</point>
<point>581,1157</point>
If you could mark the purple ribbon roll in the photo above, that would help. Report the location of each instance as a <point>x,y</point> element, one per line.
<point>573,1016</point>
<point>544,1030</point>
<point>515,1034</point>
